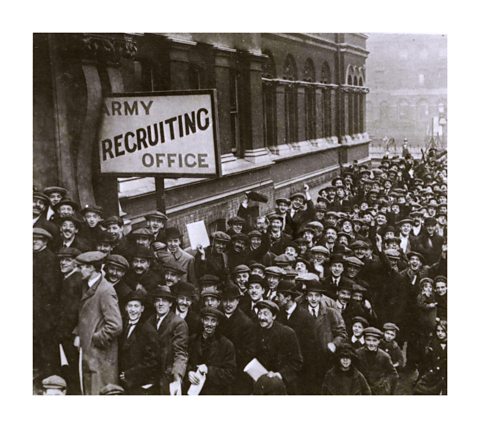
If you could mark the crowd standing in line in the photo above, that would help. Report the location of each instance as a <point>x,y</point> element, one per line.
<point>334,296</point>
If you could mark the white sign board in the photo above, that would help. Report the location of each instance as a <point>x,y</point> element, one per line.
<point>198,235</point>
<point>172,134</point>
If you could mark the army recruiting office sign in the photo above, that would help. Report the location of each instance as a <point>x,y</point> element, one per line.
<point>171,134</point>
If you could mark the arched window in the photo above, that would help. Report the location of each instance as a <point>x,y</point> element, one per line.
<point>290,73</point>
<point>269,102</point>
<point>310,101</point>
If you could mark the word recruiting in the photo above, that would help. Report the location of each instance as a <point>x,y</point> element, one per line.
<point>159,134</point>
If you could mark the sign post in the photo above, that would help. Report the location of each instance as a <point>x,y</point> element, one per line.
<point>168,134</point>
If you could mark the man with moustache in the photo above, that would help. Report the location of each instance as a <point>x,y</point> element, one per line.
<point>141,276</point>
<point>116,266</point>
<point>277,348</point>
<point>185,293</point>
<point>69,229</point>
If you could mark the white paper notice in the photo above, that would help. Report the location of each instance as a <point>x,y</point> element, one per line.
<point>255,369</point>
<point>196,389</point>
<point>197,233</point>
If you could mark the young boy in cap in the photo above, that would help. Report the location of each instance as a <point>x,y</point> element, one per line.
<point>92,216</point>
<point>441,296</point>
<point>376,365</point>
<point>211,355</point>
<point>357,339</point>
<point>344,378</point>
<point>390,346</point>
<point>54,385</point>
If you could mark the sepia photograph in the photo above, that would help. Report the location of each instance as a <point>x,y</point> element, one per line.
<point>238,214</point>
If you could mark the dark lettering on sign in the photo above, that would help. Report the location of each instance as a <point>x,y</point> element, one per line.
<point>176,160</point>
<point>128,108</point>
<point>168,130</point>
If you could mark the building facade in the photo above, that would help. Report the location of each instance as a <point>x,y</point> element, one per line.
<point>407,77</point>
<point>291,107</point>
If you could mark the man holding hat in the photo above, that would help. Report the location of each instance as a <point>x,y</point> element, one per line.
<point>46,288</point>
<point>99,325</point>
<point>300,215</point>
<point>211,355</point>
<point>376,365</point>
<point>240,330</point>
<point>172,337</point>
<point>138,349</point>
<point>277,347</point>
<point>282,209</point>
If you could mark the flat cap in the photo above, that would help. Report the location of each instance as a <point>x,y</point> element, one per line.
<point>117,260</point>
<point>268,304</point>
<point>358,288</point>
<point>141,232</point>
<point>113,220</point>
<point>105,237</point>
<point>284,200</point>
<point>315,224</point>
<point>361,320</point>
<point>174,267</point>
<point>417,254</point>
<point>111,389</point>
<point>39,231</point>
<point>320,249</point>
<point>440,278</point>
<point>274,270</point>
<point>236,220</point>
<point>69,252</point>
<point>69,202</point>
<point>332,214</point>
<point>55,189</point>
<point>90,257</point>
<point>142,252</point>
<point>392,254</point>
<point>93,209</point>
<point>254,233</point>
<point>354,261</point>
<point>426,280</point>
<point>54,382</point>
<point>274,216</point>
<point>405,221</point>
<point>256,279</point>
<point>211,293</point>
<point>298,195</point>
<point>256,265</point>
<point>284,260</point>
<point>345,350</point>
<point>221,236</point>
<point>307,276</point>
<point>240,269</point>
<point>240,237</point>
<point>359,244</point>
<point>42,196</point>
<point>212,312</point>
<point>372,331</point>
<point>209,279</point>
<point>156,215</point>
<point>390,326</point>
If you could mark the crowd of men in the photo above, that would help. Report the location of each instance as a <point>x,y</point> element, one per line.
<point>333,296</point>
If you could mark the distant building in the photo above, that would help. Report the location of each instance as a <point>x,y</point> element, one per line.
<point>407,77</point>
<point>291,106</point>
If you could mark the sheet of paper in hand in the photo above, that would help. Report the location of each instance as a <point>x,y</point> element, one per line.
<point>255,369</point>
<point>198,235</point>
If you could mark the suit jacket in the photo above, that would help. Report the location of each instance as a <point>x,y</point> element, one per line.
<point>330,287</point>
<point>278,246</point>
<point>70,296</point>
<point>329,327</point>
<point>79,243</point>
<point>149,279</point>
<point>338,382</point>
<point>277,349</point>
<point>172,339</point>
<point>50,227</point>
<point>218,354</point>
<point>139,355</point>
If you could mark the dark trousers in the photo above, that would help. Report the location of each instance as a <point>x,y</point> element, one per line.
<point>70,372</point>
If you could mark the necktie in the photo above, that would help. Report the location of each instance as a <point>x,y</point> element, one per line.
<point>314,313</point>
<point>131,325</point>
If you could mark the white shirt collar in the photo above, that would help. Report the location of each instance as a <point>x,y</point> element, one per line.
<point>361,340</point>
<point>93,279</point>
<point>182,315</point>
<point>290,311</point>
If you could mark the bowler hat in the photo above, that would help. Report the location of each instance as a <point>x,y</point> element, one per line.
<point>142,252</point>
<point>314,286</point>
<point>287,287</point>
<point>136,295</point>
<point>184,288</point>
<point>173,267</point>
<point>298,195</point>
<point>284,200</point>
<point>239,237</point>
<point>73,218</point>
<point>69,202</point>
<point>255,196</point>
<point>231,292</point>
<point>162,291</point>
<point>266,385</point>
<point>236,220</point>
<point>113,220</point>
<point>42,196</point>
<point>172,233</point>
<point>256,279</point>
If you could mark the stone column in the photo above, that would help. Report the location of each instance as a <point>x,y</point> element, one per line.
<point>320,122</point>
<point>301,135</point>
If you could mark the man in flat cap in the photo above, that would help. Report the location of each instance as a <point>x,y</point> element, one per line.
<point>112,389</point>
<point>278,239</point>
<point>211,355</point>
<point>240,330</point>
<point>46,291</point>
<point>156,223</point>
<point>115,267</point>
<point>114,225</point>
<point>214,260</point>
<point>69,302</point>
<point>302,210</point>
<point>179,256</point>
<point>138,352</point>
<point>238,253</point>
<point>55,194</point>
<point>141,237</point>
<point>376,365</point>
<point>277,347</point>
<point>172,336</point>
<point>236,225</point>
<point>429,243</point>
<point>99,325</point>
<point>141,276</point>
